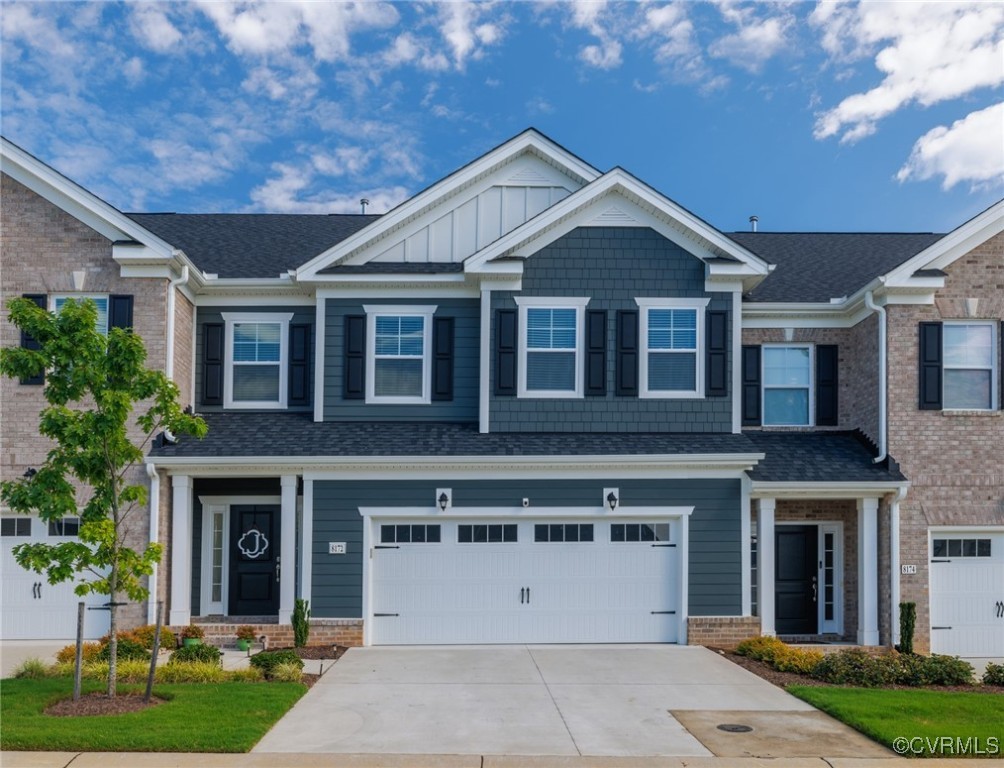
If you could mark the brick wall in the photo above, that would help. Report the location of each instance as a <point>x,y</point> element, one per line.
<point>184,327</point>
<point>721,631</point>
<point>347,632</point>
<point>953,460</point>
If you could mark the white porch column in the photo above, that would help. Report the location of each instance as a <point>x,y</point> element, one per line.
<point>894,569</point>
<point>181,550</point>
<point>868,633</point>
<point>287,550</point>
<point>306,539</point>
<point>765,565</point>
<point>151,601</point>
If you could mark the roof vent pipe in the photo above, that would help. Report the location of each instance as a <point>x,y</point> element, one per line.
<point>753,223</point>
<point>364,202</point>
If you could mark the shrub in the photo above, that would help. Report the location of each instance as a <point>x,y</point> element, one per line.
<point>145,635</point>
<point>760,648</point>
<point>32,669</point>
<point>192,671</point>
<point>203,654</point>
<point>192,632</point>
<point>907,621</point>
<point>246,632</point>
<point>855,667</point>
<point>129,649</point>
<point>946,670</point>
<point>248,675</point>
<point>301,622</point>
<point>68,655</point>
<point>994,674</point>
<point>797,660</point>
<point>267,661</point>
<point>287,673</point>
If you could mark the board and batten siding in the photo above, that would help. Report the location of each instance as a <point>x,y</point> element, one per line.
<point>466,354</point>
<point>715,547</point>
<point>613,266</point>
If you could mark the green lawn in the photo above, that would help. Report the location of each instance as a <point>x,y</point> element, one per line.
<point>920,717</point>
<point>196,717</point>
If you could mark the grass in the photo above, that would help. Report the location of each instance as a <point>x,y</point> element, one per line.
<point>216,717</point>
<point>923,716</point>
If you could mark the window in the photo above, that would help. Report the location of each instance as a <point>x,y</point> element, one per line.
<point>100,301</point>
<point>961,547</point>
<point>550,346</point>
<point>67,526</point>
<point>256,350</point>
<point>787,385</point>
<point>672,332</point>
<point>969,364</point>
<point>398,364</point>
<point>409,534</point>
<point>639,532</point>
<point>15,526</point>
<point>486,534</point>
<point>563,532</point>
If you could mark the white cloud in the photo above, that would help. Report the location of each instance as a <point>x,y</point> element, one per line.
<point>293,190</point>
<point>538,105</point>
<point>592,16</point>
<point>461,25</point>
<point>971,149</point>
<point>151,27</point>
<point>757,38</point>
<point>927,52</point>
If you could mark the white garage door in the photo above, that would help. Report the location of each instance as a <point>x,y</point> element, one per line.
<point>541,581</point>
<point>33,609</point>
<point>967,593</point>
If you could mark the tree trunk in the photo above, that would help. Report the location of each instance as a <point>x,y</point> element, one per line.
<point>113,639</point>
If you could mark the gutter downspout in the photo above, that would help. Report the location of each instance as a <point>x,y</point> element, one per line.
<point>894,574</point>
<point>883,426</point>
<point>151,603</point>
<point>169,363</point>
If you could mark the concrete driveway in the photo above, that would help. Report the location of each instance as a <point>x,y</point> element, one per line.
<point>528,700</point>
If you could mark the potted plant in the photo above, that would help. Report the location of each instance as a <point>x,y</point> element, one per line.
<point>245,636</point>
<point>192,635</point>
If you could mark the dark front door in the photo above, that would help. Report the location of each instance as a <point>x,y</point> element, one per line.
<point>795,580</point>
<point>254,560</point>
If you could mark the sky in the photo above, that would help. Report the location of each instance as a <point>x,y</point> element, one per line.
<point>880,116</point>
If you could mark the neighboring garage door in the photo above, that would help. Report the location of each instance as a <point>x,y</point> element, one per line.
<point>33,609</point>
<point>967,593</point>
<point>539,581</point>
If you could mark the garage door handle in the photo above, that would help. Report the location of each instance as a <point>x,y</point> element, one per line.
<point>522,594</point>
<point>527,595</point>
<point>999,607</point>
<point>386,546</point>
<point>671,613</point>
<point>664,545</point>
<point>940,627</point>
<point>941,561</point>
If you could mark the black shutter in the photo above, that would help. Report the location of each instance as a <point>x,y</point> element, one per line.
<point>827,385</point>
<point>442,358</point>
<point>299,364</point>
<point>716,384</point>
<point>627,352</point>
<point>506,330</point>
<point>751,386</point>
<point>355,358</point>
<point>930,366</point>
<point>120,312</point>
<point>212,363</point>
<point>596,352</point>
<point>27,342</point>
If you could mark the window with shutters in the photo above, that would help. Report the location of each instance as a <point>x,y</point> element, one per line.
<point>672,347</point>
<point>551,342</point>
<point>970,366</point>
<point>398,361</point>
<point>787,385</point>
<point>101,302</point>
<point>255,373</point>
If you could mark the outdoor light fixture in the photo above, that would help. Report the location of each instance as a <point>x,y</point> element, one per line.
<point>443,499</point>
<point>612,500</point>
<point>30,472</point>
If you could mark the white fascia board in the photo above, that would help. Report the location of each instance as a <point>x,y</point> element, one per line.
<point>529,140</point>
<point>808,490</point>
<point>412,291</point>
<point>803,315</point>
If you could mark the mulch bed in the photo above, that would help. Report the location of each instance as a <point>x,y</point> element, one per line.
<point>101,704</point>
<point>317,651</point>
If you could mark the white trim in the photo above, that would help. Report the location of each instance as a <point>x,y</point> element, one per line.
<point>531,512</point>
<point>989,528</point>
<point>207,606</point>
<point>374,311</point>
<point>894,564</point>
<point>307,541</point>
<point>868,630</point>
<point>554,302</point>
<point>287,548</point>
<point>746,538</point>
<point>231,500</point>
<point>647,304</point>
<point>208,300</point>
<point>273,318</point>
<point>804,490</point>
<point>181,551</point>
<point>993,325</point>
<point>811,386</point>
<point>684,578</point>
<point>154,538</point>
<point>765,565</point>
<point>485,363</point>
<point>320,330</point>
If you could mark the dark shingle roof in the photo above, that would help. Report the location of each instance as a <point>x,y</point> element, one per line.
<point>819,457</point>
<point>819,266</point>
<point>252,244</point>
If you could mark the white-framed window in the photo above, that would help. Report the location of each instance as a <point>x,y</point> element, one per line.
<point>788,399</point>
<point>970,365</point>
<point>671,364</point>
<point>100,301</point>
<point>255,374</point>
<point>550,346</point>
<point>398,353</point>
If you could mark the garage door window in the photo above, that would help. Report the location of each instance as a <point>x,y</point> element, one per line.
<point>68,526</point>
<point>560,532</point>
<point>962,547</point>
<point>629,532</point>
<point>15,526</point>
<point>409,534</point>
<point>486,534</point>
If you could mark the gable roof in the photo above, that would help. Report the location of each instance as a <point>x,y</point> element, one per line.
<point>819,266</point>
<point>253,245</point>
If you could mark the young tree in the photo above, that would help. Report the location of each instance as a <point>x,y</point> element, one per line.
<point>93,383</point>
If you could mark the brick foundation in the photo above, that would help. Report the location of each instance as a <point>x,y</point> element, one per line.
<point>347,632</point>
<point>721,631</point>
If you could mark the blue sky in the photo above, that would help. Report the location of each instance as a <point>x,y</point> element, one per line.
<point>829,117</point>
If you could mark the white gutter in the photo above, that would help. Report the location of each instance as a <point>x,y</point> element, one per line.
<point>169,364</point>
<point>883,394</point>
<point>151,603</point>
<point>894,574</point>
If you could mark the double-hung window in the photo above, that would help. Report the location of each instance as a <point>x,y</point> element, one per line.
<point>256,352</point>
<point>550,346</point>
<point>399,362</point>
<point>787,385</point>
<point>970,363</point>
<point>672,337</point>
<point>101,302</point>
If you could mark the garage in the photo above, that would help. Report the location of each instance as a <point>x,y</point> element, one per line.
<point>565,580</point>
<point>967,592</point>
<point>33,609</point>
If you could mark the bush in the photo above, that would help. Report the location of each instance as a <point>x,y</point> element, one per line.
<point>192,671</point>
<point>994,674</point>
<point>68,655</point>
<point>287,673</point>
<point>202,654</point>
<point>267,661</point>
<point>760,648</point>
<point>32,669</point>
<point>301,622</point>
<point>193,632</point>
<point>129,649</point>
<point>855,667</point>
<point>145,635</point>
<point>797,660</point>
<point>945,670</point>
<point>246,632</point>
<point>248,675</point>
<point>907,622</point>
